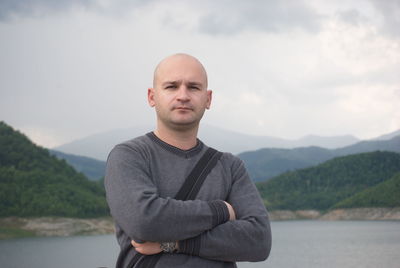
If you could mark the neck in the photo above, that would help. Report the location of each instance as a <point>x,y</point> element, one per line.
<point>183,139</point>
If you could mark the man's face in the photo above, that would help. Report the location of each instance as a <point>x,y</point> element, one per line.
<point>180,94</point>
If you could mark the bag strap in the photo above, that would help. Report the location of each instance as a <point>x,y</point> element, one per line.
<point>195,179</point>
<point>188,191</point>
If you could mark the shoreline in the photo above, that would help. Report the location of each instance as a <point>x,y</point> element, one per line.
<point>365,214</point>
<point>19,227</point>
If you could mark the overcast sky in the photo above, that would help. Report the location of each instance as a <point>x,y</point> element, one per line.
<point>72,68</point>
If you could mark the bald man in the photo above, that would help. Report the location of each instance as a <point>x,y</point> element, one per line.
<point>226,223</point>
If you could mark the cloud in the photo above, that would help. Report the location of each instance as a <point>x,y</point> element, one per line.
<point>231,17</point>
<point>281,68</point>
<point>10,9</point>
<point>351,16</point>
<point>390,11</point>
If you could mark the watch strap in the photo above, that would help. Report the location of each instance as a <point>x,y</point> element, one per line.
<point>168,247</point>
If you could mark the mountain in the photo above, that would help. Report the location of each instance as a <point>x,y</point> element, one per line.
<point>35,183</point>
<point>325,142</point>
<point>236,142</point>
<point>388,136</point>
<point>92,168</point>
<point>99,145</point>
<point>323,186</point>
<point>392,145</point>
<point>266,163</point>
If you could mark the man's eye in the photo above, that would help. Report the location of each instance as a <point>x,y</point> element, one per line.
<point>170,87</point>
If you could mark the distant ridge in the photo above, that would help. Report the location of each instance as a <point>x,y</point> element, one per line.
<point>93,169</point>
<point>388,136</point>
<point>99,145</point>
<point>264,164</point>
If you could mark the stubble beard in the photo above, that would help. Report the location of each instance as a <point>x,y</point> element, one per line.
<point>181,125</point>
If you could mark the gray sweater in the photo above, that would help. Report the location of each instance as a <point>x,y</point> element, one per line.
<point>144,174</point>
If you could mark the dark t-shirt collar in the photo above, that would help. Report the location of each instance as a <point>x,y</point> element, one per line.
<point>184,153</point>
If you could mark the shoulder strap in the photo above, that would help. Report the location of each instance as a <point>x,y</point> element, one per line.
<point>195,179</point>
<point>188,191</point>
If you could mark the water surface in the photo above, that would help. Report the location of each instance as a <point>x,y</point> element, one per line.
<point>300,244</point>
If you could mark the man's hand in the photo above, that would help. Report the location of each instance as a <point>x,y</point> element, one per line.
<point>232,214</point>
<point>147,248</point>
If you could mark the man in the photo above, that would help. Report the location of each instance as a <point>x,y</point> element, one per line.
<point>226,223</point>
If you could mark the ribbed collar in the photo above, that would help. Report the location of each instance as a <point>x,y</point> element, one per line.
<point>183,153</point>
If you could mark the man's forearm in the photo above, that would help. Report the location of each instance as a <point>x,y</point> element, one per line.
<point>151,248</point>
<point>172,220</point>
<point>239,240</point>
<point>236,240</point>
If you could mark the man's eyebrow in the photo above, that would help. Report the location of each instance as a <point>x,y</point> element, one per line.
<point>195,83</point>
<point>199,84</point>
<point>169,82</point>
<point>173,82</point>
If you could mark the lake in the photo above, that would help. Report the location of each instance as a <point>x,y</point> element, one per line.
<point>300,244</point>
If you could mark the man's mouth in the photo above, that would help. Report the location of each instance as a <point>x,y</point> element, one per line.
<point>183,108</point>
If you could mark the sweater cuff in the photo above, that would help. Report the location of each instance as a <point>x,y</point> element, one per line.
<point>190,246</point>
<point>220,212</point>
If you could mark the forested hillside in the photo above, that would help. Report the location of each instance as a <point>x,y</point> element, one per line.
<point>266,163</point>
<point>326,185</point>
<point>35,183</point>
<point>385,194</point>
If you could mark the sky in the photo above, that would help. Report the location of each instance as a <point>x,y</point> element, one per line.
<point>289,68</point>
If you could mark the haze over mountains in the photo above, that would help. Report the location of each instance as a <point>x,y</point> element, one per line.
<point>275,157</point>
<point>266,163</point>
<point>99,145</point>
<point>388,136</point>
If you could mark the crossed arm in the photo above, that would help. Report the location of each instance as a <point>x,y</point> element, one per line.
<point>143,215</point>
<point>151,248</point>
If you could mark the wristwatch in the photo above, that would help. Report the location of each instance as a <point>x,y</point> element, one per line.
<point>168,247</point>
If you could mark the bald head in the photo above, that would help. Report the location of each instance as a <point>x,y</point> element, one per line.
<point>170,65</point>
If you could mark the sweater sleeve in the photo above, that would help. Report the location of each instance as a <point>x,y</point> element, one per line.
<point>137,208</point>
<point>248,238</point>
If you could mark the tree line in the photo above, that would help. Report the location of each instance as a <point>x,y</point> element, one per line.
<point>35,183</point>
<point>329,184</point>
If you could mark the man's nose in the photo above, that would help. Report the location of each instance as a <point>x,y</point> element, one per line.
<point>183,93</point>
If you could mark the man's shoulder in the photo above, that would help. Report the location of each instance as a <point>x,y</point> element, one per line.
<point>137,144</point>
<point>234,165</point>
<point>139,141</point>
<point>229,159</point>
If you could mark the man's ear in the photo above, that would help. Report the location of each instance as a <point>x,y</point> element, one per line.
<point>150,97</point>
<point>209,98</point>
